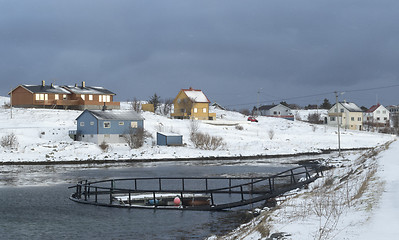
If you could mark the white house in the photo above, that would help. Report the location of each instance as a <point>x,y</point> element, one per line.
<point>350,116</point>
<point>275,110</point>
<point>377,116</point>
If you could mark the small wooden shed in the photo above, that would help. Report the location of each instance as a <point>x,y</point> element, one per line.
<point>169,139</point>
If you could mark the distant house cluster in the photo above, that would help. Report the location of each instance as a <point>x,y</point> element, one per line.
<point>63,97</point>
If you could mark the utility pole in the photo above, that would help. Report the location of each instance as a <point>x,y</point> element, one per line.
<point>339,135</point>
<point>11,102</point>
<point>259,91</point>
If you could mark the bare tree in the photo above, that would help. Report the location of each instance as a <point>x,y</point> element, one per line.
<point>135,138</point>
<point>9,141</point>
<point>314,118</point>
<point>186,105</point>
<point>167,106</point>
<point>136,105</point>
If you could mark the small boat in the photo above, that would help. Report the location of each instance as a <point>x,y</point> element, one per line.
<point>164,199</point>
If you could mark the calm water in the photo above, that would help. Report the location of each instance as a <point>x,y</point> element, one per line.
<point>45,212</point>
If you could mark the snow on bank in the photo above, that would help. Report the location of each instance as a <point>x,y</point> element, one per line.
<point>345,204</point>
<point>43,136</point>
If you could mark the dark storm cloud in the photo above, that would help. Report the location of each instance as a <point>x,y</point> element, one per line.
<point>228,48</point>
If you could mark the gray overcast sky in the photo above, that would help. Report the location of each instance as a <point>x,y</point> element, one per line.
<point>231,49</point>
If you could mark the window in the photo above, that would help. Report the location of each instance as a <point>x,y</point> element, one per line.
<point>82,124</point>
<point>56,97</point>
<point>385,118</point>
<point>332,119</point>
<point>378,119</point>
<point>121,123</point>
<point>90,97</point>
<point>204,110</point>
<point>384,112</point>
<point>352,119</point>
<point>195,110</point>
<point>37,97</point>
<point>82,96</point>
<point>64,96</point>
<point>274,113</point>
<point>100,98</point>
<point>46,97</point>
<point>342,110</point>
<point>91,123</point>
<point>107,124</point>
<point>359,119</point>
<point>133,124</point>
<point>108,98</point>
<point>41,96</point>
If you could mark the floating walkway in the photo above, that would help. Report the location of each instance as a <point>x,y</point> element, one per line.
<point>191,193</point>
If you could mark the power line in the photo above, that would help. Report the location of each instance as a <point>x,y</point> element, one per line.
<point>313,95</point>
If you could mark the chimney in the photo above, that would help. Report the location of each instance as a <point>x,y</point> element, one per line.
<point>52,85</point>
<point>43,83</point>
<point>83,84</point>
<point>76,85</point>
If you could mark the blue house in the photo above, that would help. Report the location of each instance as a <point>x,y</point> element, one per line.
<point>169,139</point>
<point>108,126</point>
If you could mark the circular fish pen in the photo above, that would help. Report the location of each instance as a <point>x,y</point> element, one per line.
<point>191,193</point>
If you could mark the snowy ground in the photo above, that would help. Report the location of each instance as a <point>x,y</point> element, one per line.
<point>358,199</point>
<point>42,135</point>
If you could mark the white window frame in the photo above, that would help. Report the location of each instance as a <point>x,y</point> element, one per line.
<point>82,124</point>
<point>90,97</point>
<point>121,123</point>
<point>100,98</point>
<point>83,96</point>
<point>56,97</point>
<point>107,124</point>
<point>195,110</point>
<point>204,110</point>
<point>134,125</point>
<point>37,97</point>
<point>64,97</point>
<point>91,123</point>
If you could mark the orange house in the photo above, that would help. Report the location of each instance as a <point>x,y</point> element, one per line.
<point>62,97</point>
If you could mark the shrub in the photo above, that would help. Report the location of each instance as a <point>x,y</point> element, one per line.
<point>206,142</point>
<point>135,139</point>
<point>9,141</point>
<point>104,146</point>
<point>271,134</point>
<point>239,127</point>
<point>314,118</point>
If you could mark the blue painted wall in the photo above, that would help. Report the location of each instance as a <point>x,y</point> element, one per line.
<point>164,140</point>
<point>87,118</point>
<point>98,125</point>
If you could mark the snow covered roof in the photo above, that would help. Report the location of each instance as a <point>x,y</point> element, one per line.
<point>88,90</point>
<point>45,89</point>
<point>351,107</point>
<point>115,115</point>
<point>196,95</point>
<point>170,134</point>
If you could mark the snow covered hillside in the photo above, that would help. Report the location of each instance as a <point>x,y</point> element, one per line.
<point>42,135</point>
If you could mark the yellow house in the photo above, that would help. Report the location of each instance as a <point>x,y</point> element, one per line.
<point>192,104</point>
<point>349,115</point>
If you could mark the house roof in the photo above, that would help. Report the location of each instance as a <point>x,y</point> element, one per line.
<point>115,115</point>
<point>196,95</point>
<point>267,107</point>
<point>351,107</point>
<point>65,89</point>
<point>88,90</point>
<point>45,89</point>
<point>373,108</point>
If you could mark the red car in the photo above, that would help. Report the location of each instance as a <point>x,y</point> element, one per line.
<point>252,119</point>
